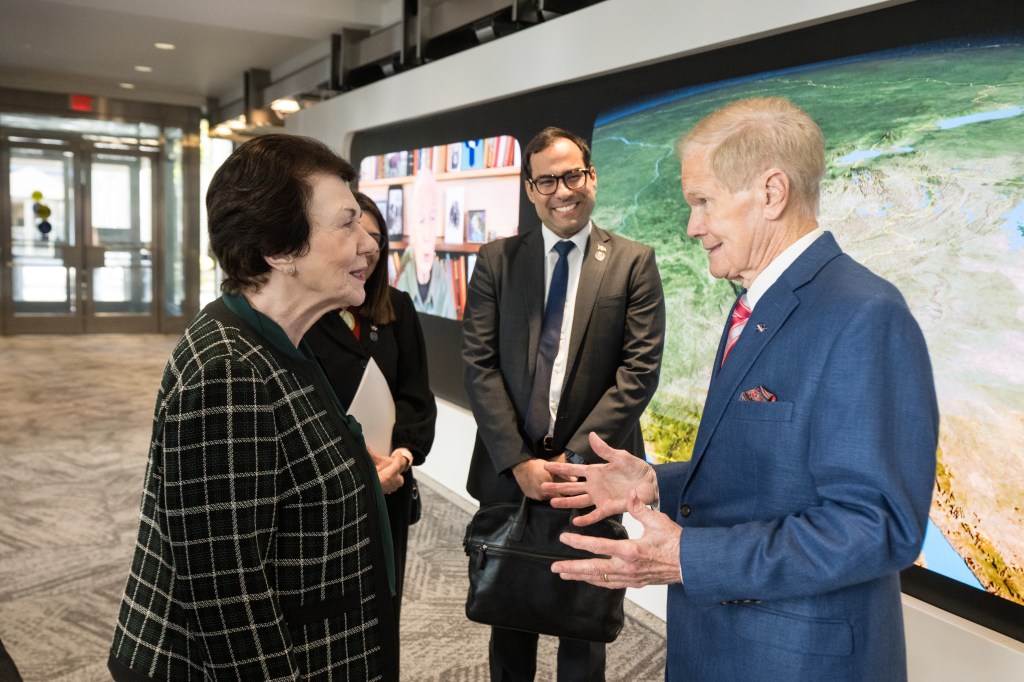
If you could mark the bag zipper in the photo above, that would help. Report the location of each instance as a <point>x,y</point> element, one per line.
<point>482,550</point>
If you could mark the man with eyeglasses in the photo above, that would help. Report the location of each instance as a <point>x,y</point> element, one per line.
<point>563,335</point>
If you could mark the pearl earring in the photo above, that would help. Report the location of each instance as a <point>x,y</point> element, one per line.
<point>290,270</point>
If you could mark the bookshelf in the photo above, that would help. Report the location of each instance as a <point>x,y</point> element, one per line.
<point>364,185</point>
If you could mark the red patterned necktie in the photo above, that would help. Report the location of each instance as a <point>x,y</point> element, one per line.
<point>740,315</point>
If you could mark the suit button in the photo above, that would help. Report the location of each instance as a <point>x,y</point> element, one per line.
<point>685,510</point>
<point>362,363</point>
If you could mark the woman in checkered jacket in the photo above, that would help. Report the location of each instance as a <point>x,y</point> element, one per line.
<point>264,551</point>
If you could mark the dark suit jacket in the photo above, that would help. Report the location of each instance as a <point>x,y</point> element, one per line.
<point>798,514</point>
<point>613,362</point>
<point>400,352</point>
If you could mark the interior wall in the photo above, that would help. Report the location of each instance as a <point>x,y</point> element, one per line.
<point>607,37</point>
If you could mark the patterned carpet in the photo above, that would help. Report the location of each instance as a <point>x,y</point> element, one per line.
<point>76,414</point>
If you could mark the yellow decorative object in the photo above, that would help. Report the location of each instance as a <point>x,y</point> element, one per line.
<point>349,318</point>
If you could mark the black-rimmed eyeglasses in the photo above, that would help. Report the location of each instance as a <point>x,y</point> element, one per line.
<point>573,179</point>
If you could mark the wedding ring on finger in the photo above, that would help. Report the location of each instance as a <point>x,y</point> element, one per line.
<point>605,576</point>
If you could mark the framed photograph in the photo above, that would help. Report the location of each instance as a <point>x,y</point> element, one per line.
<point>454,164</point>
<point>454,215</point>
<point>476,226</point>
<point>394,213</point>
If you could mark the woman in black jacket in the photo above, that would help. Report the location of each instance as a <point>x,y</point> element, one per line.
<point>385,327</point>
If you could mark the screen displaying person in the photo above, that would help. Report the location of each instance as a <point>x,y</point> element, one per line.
<point>423,277</point>
<point>782,538</point>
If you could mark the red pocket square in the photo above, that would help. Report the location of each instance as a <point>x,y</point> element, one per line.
<point>757,395</point>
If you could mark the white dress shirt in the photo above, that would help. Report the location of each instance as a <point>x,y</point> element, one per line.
<point>770,275</point>
<point>575,259</point>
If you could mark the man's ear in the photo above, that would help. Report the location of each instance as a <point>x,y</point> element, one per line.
<point>776,192</point>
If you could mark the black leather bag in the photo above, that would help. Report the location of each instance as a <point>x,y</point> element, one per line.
<point>511,547</point>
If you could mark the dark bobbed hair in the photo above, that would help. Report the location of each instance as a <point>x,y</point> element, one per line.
<point>544,139</point>
<point>377,307</point>
<point>257,203</point>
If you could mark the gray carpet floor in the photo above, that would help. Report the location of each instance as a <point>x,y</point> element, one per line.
<point>75,419</point>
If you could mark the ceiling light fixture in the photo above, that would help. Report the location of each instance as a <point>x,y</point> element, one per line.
<point>127,86</point>
<point>164,46</point>
<point>285,105</point>
<point>144,69</point>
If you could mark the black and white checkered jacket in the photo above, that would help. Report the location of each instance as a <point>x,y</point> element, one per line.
<point>259,554</point>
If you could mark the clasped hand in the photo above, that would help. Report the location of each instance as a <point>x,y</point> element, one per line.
<point>389,471</point>
<point>624,484</point>
<point>532,476</point>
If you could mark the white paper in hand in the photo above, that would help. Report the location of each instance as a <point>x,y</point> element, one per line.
<point>374,409</point>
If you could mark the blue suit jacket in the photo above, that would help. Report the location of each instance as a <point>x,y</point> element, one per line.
<point>798,514</point>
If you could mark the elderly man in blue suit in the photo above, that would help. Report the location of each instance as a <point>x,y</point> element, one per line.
<point>811,475</point>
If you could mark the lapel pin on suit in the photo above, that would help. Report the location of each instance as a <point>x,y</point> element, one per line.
<point>601,252</point>
<point>761,328</point>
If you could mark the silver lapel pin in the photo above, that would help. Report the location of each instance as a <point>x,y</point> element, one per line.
<point>761,328</point>
<point>601,252</point>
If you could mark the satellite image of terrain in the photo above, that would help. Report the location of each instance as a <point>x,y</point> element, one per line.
<point>925,186</point>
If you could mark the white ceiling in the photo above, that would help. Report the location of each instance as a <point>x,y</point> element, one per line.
<point>92,46</point>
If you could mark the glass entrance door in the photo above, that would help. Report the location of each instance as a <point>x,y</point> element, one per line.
<point>119,243</point>
<point>81,239</point>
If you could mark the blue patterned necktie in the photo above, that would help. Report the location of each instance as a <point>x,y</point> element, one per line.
<point>539,416</point>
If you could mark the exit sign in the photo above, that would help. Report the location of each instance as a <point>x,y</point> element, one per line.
<point>81,102</point>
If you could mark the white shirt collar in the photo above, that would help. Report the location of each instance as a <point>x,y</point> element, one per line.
<point>770,275</point>
<point>579,239</point>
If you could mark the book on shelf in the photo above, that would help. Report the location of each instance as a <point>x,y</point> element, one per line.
<point>394,267</point>
<point>460,297</point>
<point>440,155</point>
<point>368,168</point>
<point>423,159</point>
<point>472,155</point>
<point>507,152</point>
<point>455,267</point>
<point>396,164</point>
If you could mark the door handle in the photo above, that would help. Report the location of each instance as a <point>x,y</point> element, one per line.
<point>95,256</point>
<point>69,255</point>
